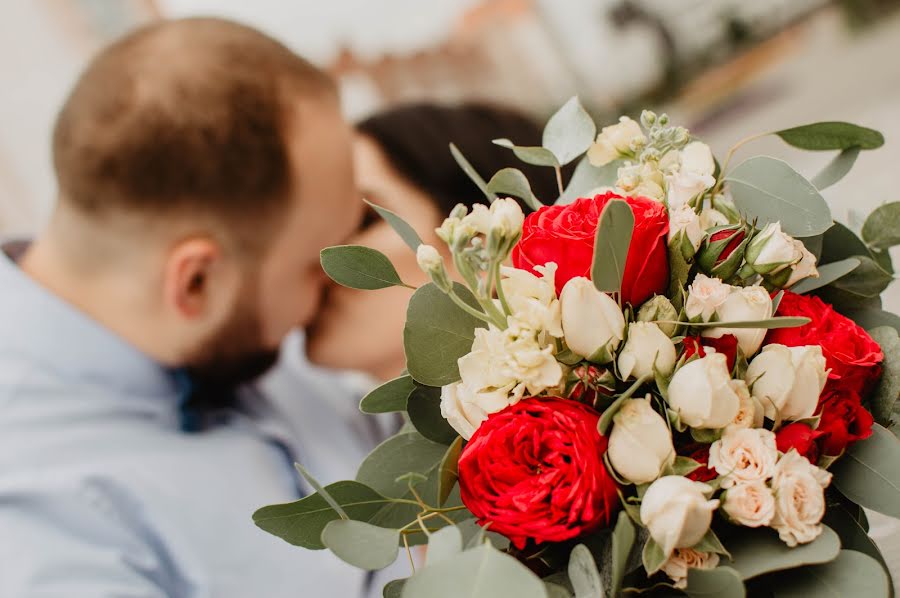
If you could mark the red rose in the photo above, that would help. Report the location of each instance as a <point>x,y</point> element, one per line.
<point>535,471</point>
<point>844,421</point>
<point>851,354</point>
<point>801,437</point>
<point>736,235</point>
<point>725,344</point>
<point>700,454</point>
<point>565,235</point>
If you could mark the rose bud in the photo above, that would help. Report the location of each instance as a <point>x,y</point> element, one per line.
<point>744,304</point>
<point>771,250</point>
<point>431,262</point>
<point>640,445</point>
<point>685,234</point>
<point>805,268</point>
<point>703,393</point>
<point>788,380</point>
<point>677,512</point>
<point>592,322</point>
<point>705,296</point>
<point>659,308</point>
<point>722,252</point>
<point>587,383</point>
<point>647,349</point>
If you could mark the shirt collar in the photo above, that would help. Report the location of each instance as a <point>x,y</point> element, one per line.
<point>50,332</point>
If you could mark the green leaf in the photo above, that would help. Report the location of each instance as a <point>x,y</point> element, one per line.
<point>394,589</point>
<point>611,245</point>
<point>359,267</point>
<point>771,191</point>
<point>652,557</point>
<point>869,318</point>
<point>828,273</point>
<point>471,172</point>
<point>583,573</point>
<point>866,280</point>
<point>839,242</point>
<point>400,226</point>
<point>556,590</point>
<point>389,397</point>
<point>623,537</point>
<point>768,323</point>
<point>836,169</point>
<point>606,419</point>
<point>474,535</point>
<point>853,534</point>
<point>301,522</point>
<point>882,228</point>
<point>587,178</point>
<point>444,544</point>
<point>869,472</point>
<point>569,132</point>
<point>437,334</point>
<point>424,409</point>
<point>755,552</point>
<point>885,396</point>
<point>361,544</point>
<point>684,465</point>
<point>449,471</point>
<point>710,543</point>
<point>481,572</point>
<point>321,491</point>
<point>511,181</point>
<point>721,582</point>
<point>539,156</point>
<point>850,574</point>
<point>831,136</point>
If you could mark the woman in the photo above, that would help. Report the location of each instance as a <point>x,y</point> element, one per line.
<point>403,163</point>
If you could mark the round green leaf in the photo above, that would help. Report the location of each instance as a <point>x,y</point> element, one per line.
<point>611,244</point>
<point>758,551</point>
<point>831,136</point>
<point>393,589</point>
<point>851,574</point>
<point>885,396</point>
<point>583,573</point>
<point>771,191</point>
<point>539,156</point>
<point>882,228</point>
<point>569,132</point>
<point>868,279</point>
<point>852,532</point>
<point>361,544</point>
<point>869,472</point>
<point>359,267</point>
<point>389,397</point>
<point>511,181</point>
<point>424,409</point>
<point>836,169</point>
<point>721,582</point>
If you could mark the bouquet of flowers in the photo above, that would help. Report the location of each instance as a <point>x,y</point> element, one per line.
<point>676,379</point>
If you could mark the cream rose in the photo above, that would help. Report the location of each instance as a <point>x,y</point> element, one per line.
<point>646,349</point>
<point>640,445</point>
<point>703,393</point>
<point>684,221</point>
<point>799,499</point>
<point>750,504</point>
<point>787,381</point>
<point>677,512</point>
<point>750,413</point>
<point>744,304</point>
<point>465,410</point>
<point>592,321</point>
<point>682,559</point>
<point>705,296</point>
<point>693,176</point>
<point>744,455</point>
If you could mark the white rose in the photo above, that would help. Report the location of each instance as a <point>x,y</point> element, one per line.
<point>647,348</point>
<point>640,444</point>
<point>805,268</point>
<point>787,381</point>
<point>533,299</point>
<point>465,410</point>
<point>682,559</point>
<point>703,393</point>
<point>710,217</point>
<point>750,504</point>
<point>744,455</point>
<point>506,217</point>
<point>771,250</point>
<point>694,175</point>
<point>705,296</point>
<point>592,321</point>
<point>616,141</point>
<point>799,499</point>
<point>677,512</point>
<point>750,413</point>
<point>684,220</point>
<point>744,304</point>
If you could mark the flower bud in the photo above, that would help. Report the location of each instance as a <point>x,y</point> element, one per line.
<point>703,393</point>
<point>431,262</point>
<point>647,349</point>
<point>657,309</point>
<point>712,218</point>
<point>640,444</point>
<point>614,142</point>
<point>722,252</point>
<point>685,234</point>
<point>677,512</point>
<point>694,175</point>
<point>744,304</point>
<point>771,250</point>
<point>589,384</point>
<point>648,118</point>
<point>705,296</point>
<point>507,217</point>
<point>592,322</point>
<point>788,380</point>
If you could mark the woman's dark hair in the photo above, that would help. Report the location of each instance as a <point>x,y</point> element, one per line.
<point>416,137</point>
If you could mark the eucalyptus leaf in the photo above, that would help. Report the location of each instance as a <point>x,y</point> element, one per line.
<point>400,226</point>
<point>711,543</point>
<point>449,470</point>
<point>321,491</point>
<point>511,181</point>
<point>850,574</point>
<point>869,472</point>
<point>652,557</point>
<point>361,544</point>
<point>868,279</point>
<point>836,169</point>
<point>885,396</point>
<point>471,172</point>
<point>437,333</point>
<point>839,242</point>
<point>583,573</point>
<point>771,191</point>
<point>882,228</point>
<point>755,552</point>
<point>359,267</point>
<point>444,544</point>
<point>611,244</point>
<point>870,318</point>
<point>588,178</point>
<point>831,136</point>
<point>389,397</point>
<point>569,132</point>
<point>393,589</point>
<point>828,273</point>
<point>424,409</point>
<point>475,535</point>
<point>768,323</point>
<point>623,537</point>
<point>606,418</point>
<point>481,572</point>
<point>536,155</point>
<point>557,591</point>
<point>852,532</point>
<point>721,582</point>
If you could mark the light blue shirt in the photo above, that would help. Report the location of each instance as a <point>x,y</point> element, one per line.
<point>102,494</point>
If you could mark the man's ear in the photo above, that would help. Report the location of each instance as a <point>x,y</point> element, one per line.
<point>190,275</point>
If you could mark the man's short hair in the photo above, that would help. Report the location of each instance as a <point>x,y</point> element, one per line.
<point>188,116</point>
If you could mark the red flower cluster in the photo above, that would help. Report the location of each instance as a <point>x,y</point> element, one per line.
<point>565,235</point>
<point>801,437</point>
<point>726,344</point>
<point>535,471</point>
<point>844,421</point>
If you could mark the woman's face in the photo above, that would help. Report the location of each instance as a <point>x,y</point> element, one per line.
<point>363,330</point>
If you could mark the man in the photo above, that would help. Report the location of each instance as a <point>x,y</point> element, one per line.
<point>201,167</point>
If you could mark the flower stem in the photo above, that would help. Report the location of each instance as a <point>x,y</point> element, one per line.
<point>500,294</point>
<point>728,157</point>
<point>559,182</point>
